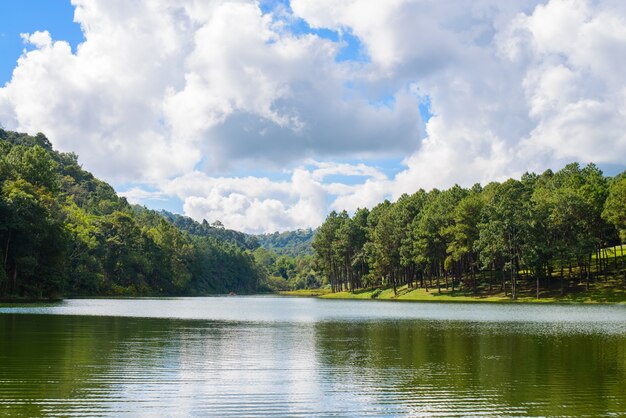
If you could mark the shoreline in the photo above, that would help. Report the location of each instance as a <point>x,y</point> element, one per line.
<point>616,297</point>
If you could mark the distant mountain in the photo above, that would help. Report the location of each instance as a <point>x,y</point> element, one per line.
<point>292,243</point>
<point>215,230</point>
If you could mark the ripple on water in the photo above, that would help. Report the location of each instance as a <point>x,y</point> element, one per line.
<point>303,359</point>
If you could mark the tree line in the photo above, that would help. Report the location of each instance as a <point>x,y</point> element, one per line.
<point>542,233</point>
<point>64,232</point>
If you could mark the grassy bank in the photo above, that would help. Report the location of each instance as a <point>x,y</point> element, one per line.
<point>607,286</point>
<point>306,292</point>
<point>600,294</point>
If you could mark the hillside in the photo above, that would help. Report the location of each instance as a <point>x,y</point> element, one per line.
<point>64,232</point>
<point>292,243</point>
<point>216,231</point>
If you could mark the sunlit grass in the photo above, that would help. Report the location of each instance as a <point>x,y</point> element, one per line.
<point>600,294</point>
<point>603,288</point>
<point>305,292</point>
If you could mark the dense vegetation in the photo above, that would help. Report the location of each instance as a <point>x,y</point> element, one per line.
<point>64,232</point>
<point>292,243</point>
<point>542,234</point>
<point>214,230</point>
<point>284,259</point>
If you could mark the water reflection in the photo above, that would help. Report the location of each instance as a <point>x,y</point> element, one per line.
<point>457,369</point>
<point>75,365</point>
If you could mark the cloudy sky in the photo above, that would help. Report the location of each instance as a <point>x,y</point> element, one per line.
<point>268,114</point>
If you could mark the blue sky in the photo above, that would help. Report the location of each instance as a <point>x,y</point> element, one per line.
<point>27,16</point>
<point>266,115</point>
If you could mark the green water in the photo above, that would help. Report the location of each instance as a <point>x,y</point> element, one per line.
<point>271,356</point>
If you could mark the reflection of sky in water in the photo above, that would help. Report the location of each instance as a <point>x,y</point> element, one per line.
<point>540,318</point>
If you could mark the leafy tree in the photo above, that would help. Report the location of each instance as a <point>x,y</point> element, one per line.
<point>615,206</point>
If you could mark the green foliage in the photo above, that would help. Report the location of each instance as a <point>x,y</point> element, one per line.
<point>614,209</point>
<point>543,231</point>
<point>64,232</point>
<point>283,272</point>
<point>215,230</point>
<point>291,243</point>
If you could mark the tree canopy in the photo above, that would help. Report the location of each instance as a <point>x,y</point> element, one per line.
<point>64,232</point>
<point>550,229</point>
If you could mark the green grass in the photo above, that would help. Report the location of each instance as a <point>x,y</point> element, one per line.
<point>406,294</point>
<point>601,294</point>
<point>305,292</point>
<point>607,288</point>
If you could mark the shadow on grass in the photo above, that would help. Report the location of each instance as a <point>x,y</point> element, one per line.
<point>606,295</point>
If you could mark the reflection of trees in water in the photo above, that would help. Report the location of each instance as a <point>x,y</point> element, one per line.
<point>451,365</point>
<point>86,365</point>
<point>65,361</point>
<point>78,364</point>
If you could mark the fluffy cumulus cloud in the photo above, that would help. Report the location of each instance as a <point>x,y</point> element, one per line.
<point>181,99</point>
<point>258,204</point>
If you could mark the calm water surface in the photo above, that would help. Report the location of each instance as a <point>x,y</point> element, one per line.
<point>260,356</point>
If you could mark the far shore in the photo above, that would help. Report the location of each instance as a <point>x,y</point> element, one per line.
<point>405,294</point>
<point>601,295</point>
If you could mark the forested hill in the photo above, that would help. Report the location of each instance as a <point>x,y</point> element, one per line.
<point>214,230</point>
<point>64,232</point>
<point>291,243</point>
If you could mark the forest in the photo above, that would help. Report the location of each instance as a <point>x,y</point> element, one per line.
<point>63,232</point>
<point>541,235</point>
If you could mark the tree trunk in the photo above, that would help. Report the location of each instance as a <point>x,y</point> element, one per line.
<point>453,283</point>
<point>562,280</point>
<point>623,260</point>
<point>6,254</point>
<point>14,281</point>
<point>513,295</point>
<point>588,272</point>
<point>537,275</point>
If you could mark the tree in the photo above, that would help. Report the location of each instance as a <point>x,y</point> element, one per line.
<point>432,232</point>
<point>615,211</point>
<point>324,246</point>
<point>34,243</point>
<point>465,232</point>
<point>615,206</point>
<point>502,232</point>
<point>34,165</point>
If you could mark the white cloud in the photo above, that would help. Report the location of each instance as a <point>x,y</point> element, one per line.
<point>258,204</point>
<point>327,168</point>
<point>136,195</point>
<point>155,89</point>
<point>183,96</point>
<point>513,86</point>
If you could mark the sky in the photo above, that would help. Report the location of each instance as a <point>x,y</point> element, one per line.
<point>268,114</point>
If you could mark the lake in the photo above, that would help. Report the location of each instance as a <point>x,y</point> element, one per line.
<point>273,356</point>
